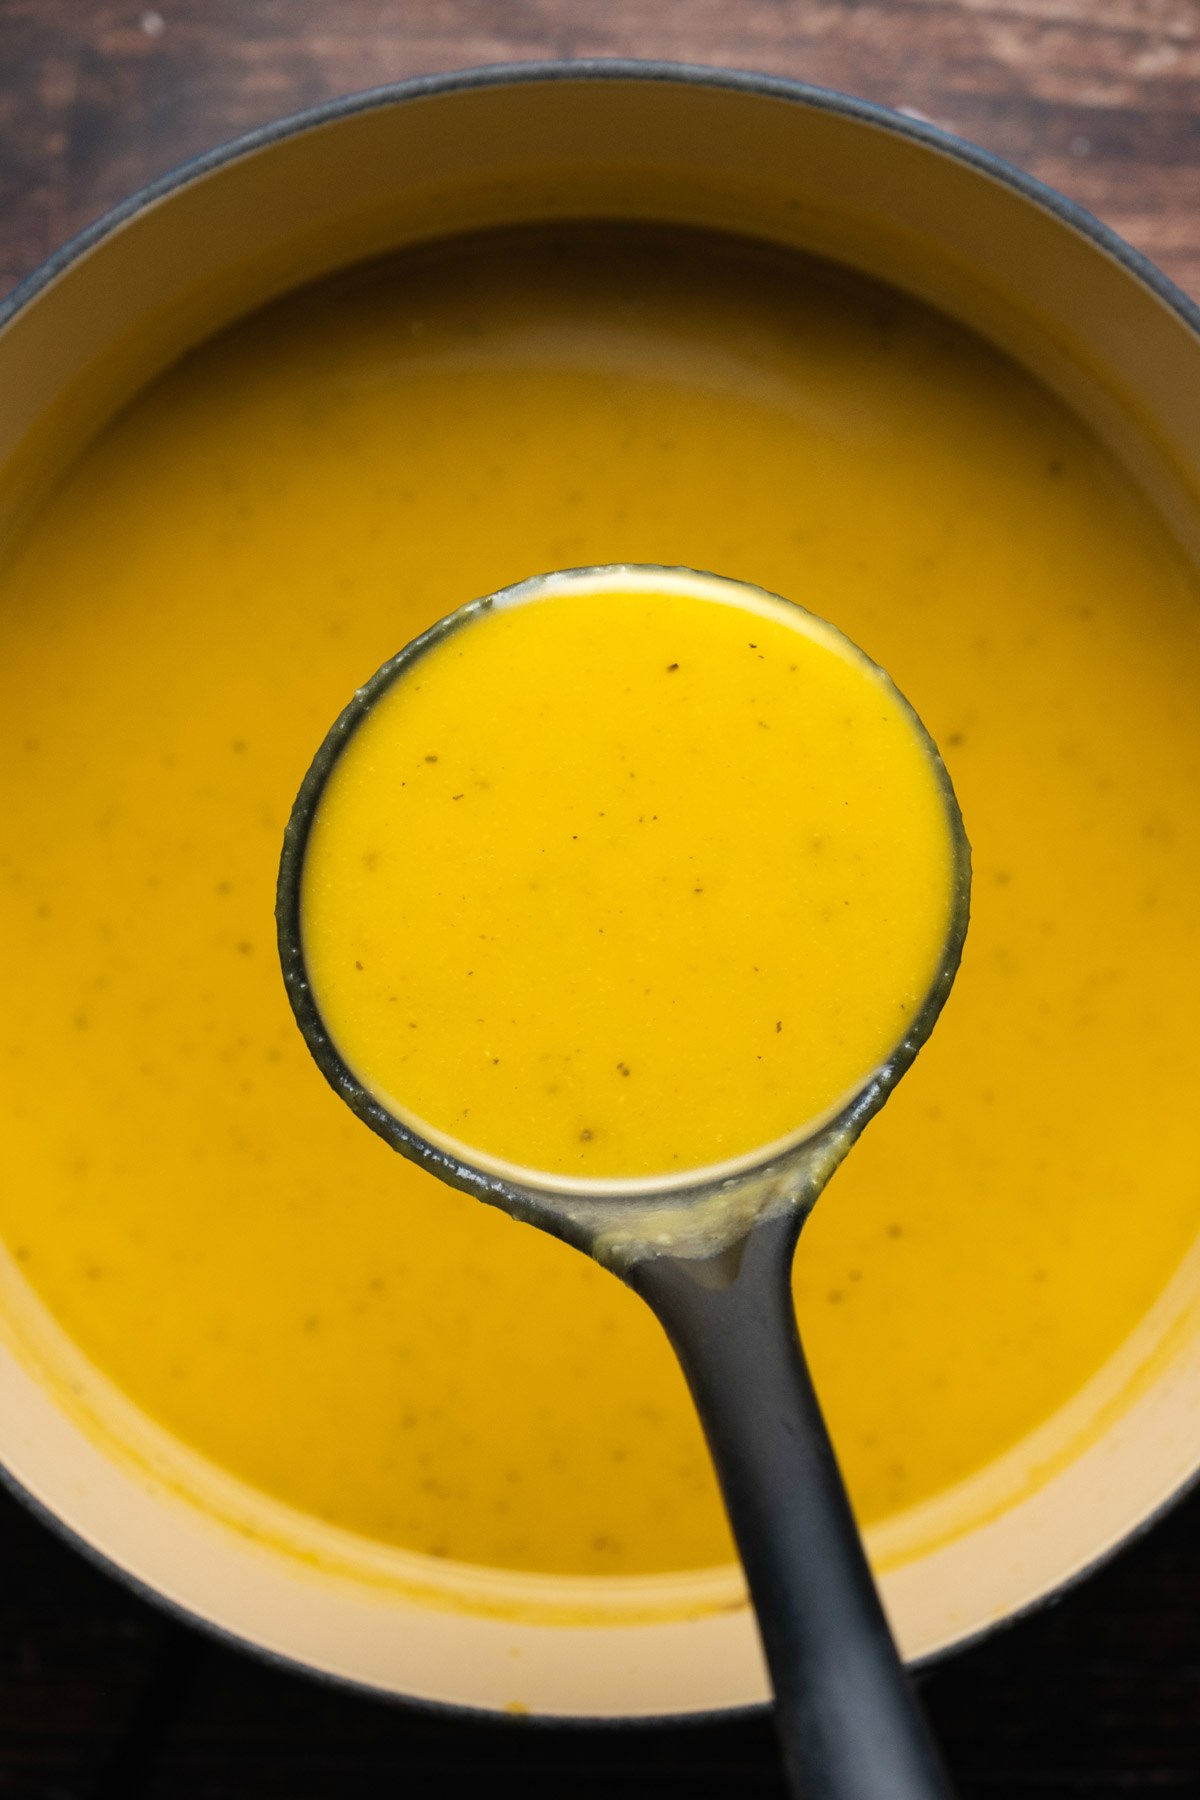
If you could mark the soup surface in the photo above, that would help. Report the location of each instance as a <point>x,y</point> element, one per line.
<point>675,882</point>
<point>266,525</point>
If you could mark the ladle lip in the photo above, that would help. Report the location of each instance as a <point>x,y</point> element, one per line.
<point>532,1193</point>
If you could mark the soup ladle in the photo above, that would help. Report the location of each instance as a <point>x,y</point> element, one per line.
<point>711,1254</point>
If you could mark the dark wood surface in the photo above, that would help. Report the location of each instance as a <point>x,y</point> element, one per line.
<point>101,1697</point>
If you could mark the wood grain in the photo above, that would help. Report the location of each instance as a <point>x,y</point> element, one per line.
<point>101,1696</point>
<point>1099,97</point>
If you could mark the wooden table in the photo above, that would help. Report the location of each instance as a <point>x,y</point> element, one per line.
<point>102,1698</point>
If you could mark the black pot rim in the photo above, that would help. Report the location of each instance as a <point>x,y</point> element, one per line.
<point>593,69</point>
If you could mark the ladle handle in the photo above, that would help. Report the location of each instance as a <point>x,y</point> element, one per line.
<point>848,1722</point>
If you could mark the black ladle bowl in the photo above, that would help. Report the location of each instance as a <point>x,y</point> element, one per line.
<point>711,1254</point>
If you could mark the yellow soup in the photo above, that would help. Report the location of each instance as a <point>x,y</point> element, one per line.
<point>259,531</point>
<point>626,876</point>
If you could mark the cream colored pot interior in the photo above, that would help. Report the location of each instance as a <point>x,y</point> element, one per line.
<point>462,155</point>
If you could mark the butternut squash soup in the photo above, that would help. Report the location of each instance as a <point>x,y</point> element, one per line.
<point>675,883</point>
<point>261,529</point>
